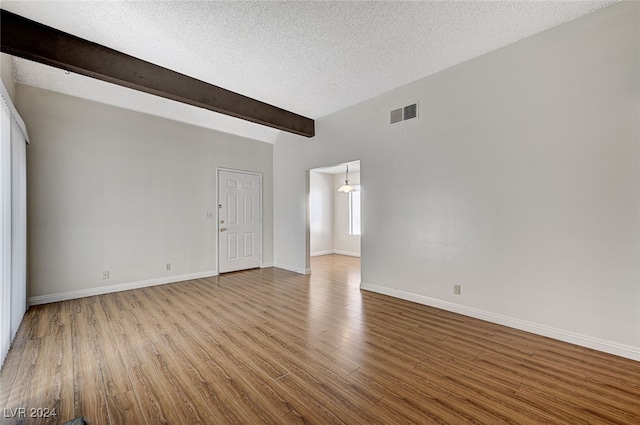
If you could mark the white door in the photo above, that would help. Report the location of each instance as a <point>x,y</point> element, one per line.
<point>239,238</point>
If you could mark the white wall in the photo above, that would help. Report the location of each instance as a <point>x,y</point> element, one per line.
<point>111,189</point>
<point>321,213</point>
<point>344,243</point>
<point>6,73</point>
<point>521,182</point>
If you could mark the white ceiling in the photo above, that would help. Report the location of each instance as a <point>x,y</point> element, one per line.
<point>312,58</point>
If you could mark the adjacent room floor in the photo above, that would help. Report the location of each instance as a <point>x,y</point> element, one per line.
<point>268,346</point>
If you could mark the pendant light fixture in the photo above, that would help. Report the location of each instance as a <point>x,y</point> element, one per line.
<point>346,187</point>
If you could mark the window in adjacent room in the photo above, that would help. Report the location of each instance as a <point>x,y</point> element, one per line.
<point>354,211</point>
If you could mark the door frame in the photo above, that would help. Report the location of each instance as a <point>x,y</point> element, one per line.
<point>307,234</point>
<point>217,185</point>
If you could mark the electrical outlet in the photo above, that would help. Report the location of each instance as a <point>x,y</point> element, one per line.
<point>105,274</point>
<point>167,266</point>
<point>456,289</point>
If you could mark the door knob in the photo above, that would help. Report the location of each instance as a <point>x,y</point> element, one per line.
<point>222,229</point>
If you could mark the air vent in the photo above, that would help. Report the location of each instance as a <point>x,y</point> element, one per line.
<point>396,115</point>
<point>405,113</point>
<point>410,111</point>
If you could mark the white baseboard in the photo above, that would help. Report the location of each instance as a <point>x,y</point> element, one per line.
<point>621,350</point>
<point>292,268</point>
<point>336,251</point>
<point>350,254</point>
<point>70,295</point>
<point>266,265</point>
<point>319,253</point>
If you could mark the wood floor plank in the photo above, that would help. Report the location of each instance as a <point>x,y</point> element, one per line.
<point>271,346</point>
<point>303,416</point>
<point>11,374</point>
<point>235,393</point>
<point>27,371</point>
<point>154,403</point>
<point>124,409</point>
<point>88,389</point>
<point>318,369</point>
<point>134,338</point>
<point>58,388</point>
<point>178,398</point>
<point>245,339</point>
<point>472,387</point>
<point>109,356</point>
<point>595,398</point>
<point>258,385</point>
<point>397,409</point>
<point>322,401</point>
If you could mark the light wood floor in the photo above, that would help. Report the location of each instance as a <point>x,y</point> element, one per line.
<point>273,347</point>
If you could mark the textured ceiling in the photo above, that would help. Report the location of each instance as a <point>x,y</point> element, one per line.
<point>312,58</point>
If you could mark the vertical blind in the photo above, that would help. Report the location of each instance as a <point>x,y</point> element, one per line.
<point>13,222</point>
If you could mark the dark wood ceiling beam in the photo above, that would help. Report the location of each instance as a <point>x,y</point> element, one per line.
<point>31,40</point>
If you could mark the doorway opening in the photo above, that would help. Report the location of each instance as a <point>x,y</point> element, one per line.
<point>334,218</point>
